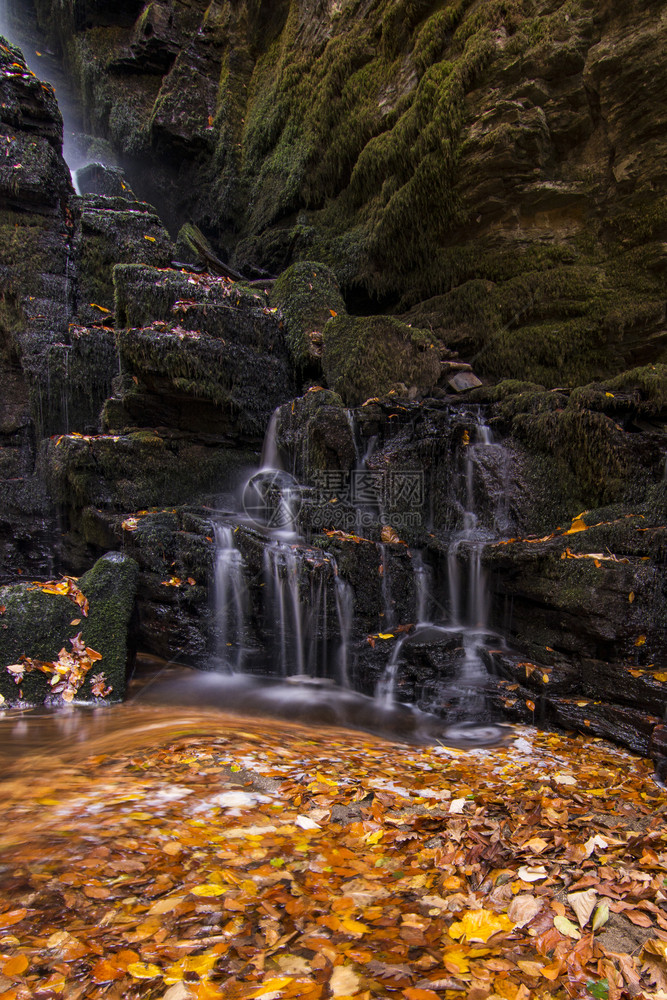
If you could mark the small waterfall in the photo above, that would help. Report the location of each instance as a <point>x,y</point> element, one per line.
<point>284,612</point>
<point>270,458</point>
<point>231,599</point>
<point>345,612</point>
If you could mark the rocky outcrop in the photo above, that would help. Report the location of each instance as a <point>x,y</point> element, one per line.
<point>497,170</point>
<point>38,620</point>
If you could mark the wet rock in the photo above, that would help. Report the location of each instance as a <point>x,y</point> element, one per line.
<point>100,179</point>
<point>315,432</point>
<point>39,625</point>
<point>464,381</point>
<point>369,356</point>
<point>174,551</point>
<point>133,471</point>
<point>308,296</point>
<point>114,230</point>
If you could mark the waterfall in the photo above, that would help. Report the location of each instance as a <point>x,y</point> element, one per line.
<point>231,599</point>
<point>306,609</point>
<point>466,616</point>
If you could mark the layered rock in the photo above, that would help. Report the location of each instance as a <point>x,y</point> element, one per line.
<point>499,172</point>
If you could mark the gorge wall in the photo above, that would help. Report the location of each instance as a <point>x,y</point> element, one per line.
<point>496,170</point>
<point>487,179</point>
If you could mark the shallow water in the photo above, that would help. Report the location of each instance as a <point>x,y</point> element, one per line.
<point>167,700</point>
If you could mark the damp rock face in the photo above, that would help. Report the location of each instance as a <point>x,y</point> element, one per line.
<point>38,624</point>
<point>497,176</point>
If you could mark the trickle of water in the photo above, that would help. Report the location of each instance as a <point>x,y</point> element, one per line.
<point>387,603</point>
<point>281,570</point>
<point>423,588</point>
<point>345,612</point>
<point>231,599</point>
<point>270,458</point>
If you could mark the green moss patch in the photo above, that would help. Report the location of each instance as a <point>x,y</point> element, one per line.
<point>370,356</point>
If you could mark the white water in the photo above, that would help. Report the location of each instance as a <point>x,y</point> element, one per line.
<point>467,591</point>
<point>231,599</point>
<point>308,610</point>
<point>15,22</point>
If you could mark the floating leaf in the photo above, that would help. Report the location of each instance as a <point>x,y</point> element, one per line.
<point>344,981</point>
<point>209,889</point>
<point>15,966</point>
<point>143,970</point>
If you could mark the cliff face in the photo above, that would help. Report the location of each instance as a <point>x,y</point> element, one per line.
<point>496,169</point>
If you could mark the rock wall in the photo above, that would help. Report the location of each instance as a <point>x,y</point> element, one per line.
<point>494,169</point>
<point>448,159</point>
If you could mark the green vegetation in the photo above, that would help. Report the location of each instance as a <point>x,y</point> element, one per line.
<point>365,357</point>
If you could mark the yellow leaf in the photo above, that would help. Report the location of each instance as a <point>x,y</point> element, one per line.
<point>354,927</point>
<point>75,621</point>
<point>631,596</point>
<point>94,305</point>
<point>373,838</point>
<point>272,986</point>
<point>456,960</point>
<point>143,970</point>
<point>662,677</point>
<point>578,524</point>
<point>479,925</point>
<point>208,889</point>
<point>151,239</point>
<point>601,915</point>
<point>465,440</point>
<point>641,640</point>
<point>566,927</point>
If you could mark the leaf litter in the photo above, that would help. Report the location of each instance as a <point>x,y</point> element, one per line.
<point>262,860</point>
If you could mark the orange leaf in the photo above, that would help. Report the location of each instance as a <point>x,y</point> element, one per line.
<point>12,917</point>
<point>15,966</point>
<point>413,993</point>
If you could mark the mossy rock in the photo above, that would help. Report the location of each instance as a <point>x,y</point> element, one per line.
<point>308,296</point>
<point>39,625</point>
<point>371,356</point>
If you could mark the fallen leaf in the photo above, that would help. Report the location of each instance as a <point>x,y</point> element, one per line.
<point>479,925</point>
<point>566,927</point>
<point>523,909</point>
<point>583,904</point>
<point>344,981</point>
<point>143,970</point>
<point>532,874</point>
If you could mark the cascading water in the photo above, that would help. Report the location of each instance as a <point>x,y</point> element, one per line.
<point>18,25</point>
<point>231,599</point>
<point>307,608</point>
<point>466,616</point>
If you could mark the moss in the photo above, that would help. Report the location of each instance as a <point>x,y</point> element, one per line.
<point>307,295</point>
<point>39,625</point>
<point>366,357</point>
<point>110,587</point>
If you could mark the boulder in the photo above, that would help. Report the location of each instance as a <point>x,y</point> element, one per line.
<point>370,356</point>
<point>36,623</point>
<point>308,297</point>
